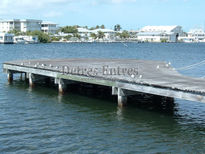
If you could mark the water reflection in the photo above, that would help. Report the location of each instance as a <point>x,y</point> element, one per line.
<point>119,113</point>
<point>156,129</point>
<point>60,97</point>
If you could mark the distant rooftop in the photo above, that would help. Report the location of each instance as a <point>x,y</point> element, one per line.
<point>22,20</point>
<point>197,31</point>
<point>154,33</point>
<point>48,23</point>
<point>159,28</point>
<point>85,30</point>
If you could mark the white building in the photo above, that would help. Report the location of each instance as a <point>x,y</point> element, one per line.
<point>49,27</point>
<point>20,25</point>
<point>30,25</point>
<point>109,33</point>
<point>160,33</point>
<point>25,39</point>
<point>6,38</point>
<point>194,35</point>
<point>198,35</point>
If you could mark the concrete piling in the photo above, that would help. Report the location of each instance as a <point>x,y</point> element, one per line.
<point>10,77</point>
<point>122,98</point>
<point>31,79</point>
<point>61,85</point>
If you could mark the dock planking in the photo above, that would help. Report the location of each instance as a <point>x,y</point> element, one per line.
<point>125,76</point>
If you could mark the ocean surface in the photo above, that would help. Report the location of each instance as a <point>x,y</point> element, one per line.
<point>40,121</point>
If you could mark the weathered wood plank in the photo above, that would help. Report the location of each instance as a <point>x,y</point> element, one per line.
<point>151,77</point>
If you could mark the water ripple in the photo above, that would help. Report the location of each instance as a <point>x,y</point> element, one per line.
<point>38,121</point>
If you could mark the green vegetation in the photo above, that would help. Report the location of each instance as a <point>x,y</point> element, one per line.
<point>163,40</point>
<point>93,35</point>
<point>97,27</point>
<point>15,32</point>
<point>42,37</point>
<point>69,29</point>
<point>100,35</point>
<point>125,34</point>
<point>68,37</point>
<point>102,26</point>
<point>77,35</point>
<point>117,27</point>
<point>53,38</point>
<point>72,34</point>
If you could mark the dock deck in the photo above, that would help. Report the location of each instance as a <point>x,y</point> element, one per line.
<point>125,76</point>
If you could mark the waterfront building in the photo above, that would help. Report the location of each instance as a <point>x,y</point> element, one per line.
<point>49,27</point>
<point>20,25</point>
<point>9,25</point>
<point>85,34</point>
<point>109,34</point>
<point>198,35</point>
<point>133,35</point>
<point>194,35</point>
<point>160,33</point>
<point>6,38</point>
<point>25,39</point>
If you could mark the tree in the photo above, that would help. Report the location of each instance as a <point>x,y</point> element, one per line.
<point>77,35</point>
<point>16,32</point>
<point>92,28</point>
<point>93,35</point>
<point>164,40</point>
<point>117,27</point>
<point>100,35</point>
<point>55,38</point>
<point>68,37</point>
<point>97,27</point>
<point>42,37</point>
<point>69,29</point>
<point>125,34</point>
<point>102,26</point>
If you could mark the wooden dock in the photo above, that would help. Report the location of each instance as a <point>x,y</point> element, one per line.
<point>125,76</point>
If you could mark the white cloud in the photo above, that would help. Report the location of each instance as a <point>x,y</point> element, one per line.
<point>52,8</point>
<point>28,7</point>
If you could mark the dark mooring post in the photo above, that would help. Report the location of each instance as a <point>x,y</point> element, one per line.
<point>10,76</point>
<point>21,76</point>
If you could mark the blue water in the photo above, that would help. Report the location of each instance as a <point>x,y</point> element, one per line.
<point>40,121</point>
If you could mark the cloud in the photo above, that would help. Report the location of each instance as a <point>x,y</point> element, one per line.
<point>29,7</point>
<point>53,7</point>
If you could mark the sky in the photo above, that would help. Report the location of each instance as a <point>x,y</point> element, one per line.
<point>130,14</point>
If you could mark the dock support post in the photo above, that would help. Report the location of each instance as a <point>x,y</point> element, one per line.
<point>31,79</point>
<point>122,98</point>
<point>10,76</point>
<point>21,76</point>
<point>61,85</point>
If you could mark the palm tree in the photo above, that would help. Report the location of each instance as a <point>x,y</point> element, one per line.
<point>101,35</point>
<point>117,27</point>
